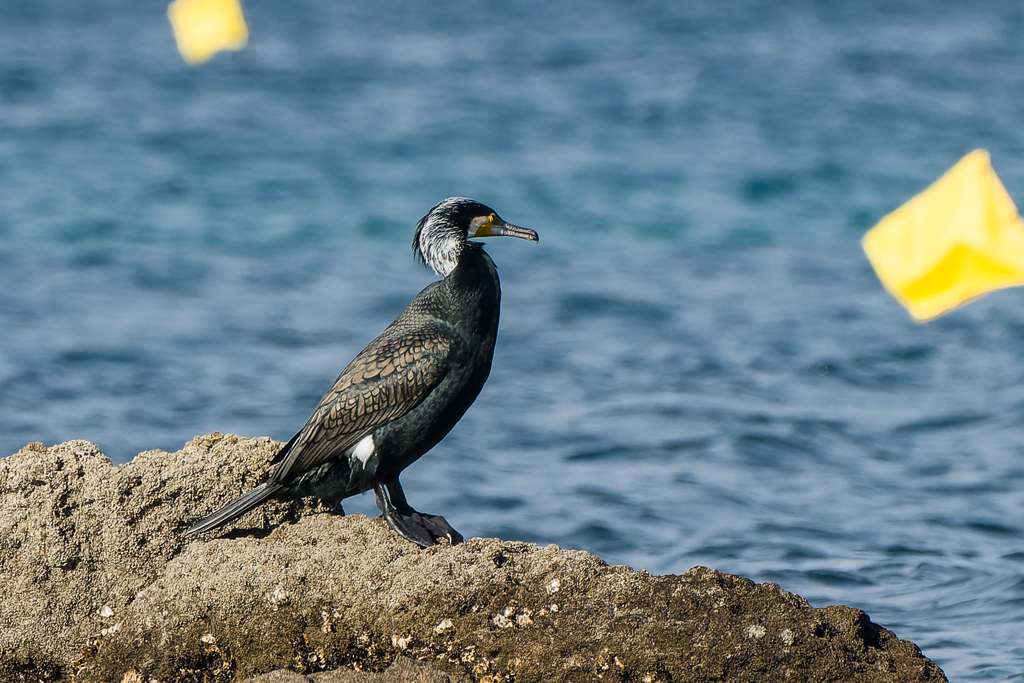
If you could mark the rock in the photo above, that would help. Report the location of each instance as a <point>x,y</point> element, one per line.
<point>402,670</point>
<point>101,586</point>
<point>79,538</point>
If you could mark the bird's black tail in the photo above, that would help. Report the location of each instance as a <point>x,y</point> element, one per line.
<point>236,508</point>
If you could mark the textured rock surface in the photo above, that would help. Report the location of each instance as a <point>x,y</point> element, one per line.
<point>99,585</point>
<point>79,538</point>
<point>402,670</point>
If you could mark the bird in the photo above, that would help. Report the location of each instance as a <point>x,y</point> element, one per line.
<point>406,390</point>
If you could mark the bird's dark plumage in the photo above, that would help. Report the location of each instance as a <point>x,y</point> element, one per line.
<point>406,390</point>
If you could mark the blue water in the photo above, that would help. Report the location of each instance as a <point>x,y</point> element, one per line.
<point>696,364</point>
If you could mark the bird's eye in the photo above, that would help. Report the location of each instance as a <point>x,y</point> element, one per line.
<point>492,218</point>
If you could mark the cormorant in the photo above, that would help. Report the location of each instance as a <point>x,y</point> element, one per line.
<point>406,390</point>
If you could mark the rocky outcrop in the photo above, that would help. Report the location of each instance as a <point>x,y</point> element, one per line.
<point>100,585</point>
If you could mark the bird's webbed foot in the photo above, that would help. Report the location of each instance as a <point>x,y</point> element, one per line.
<point>418,527</point>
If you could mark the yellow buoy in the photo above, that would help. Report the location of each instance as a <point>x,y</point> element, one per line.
<point>959,239</point>
<point>202,28</point>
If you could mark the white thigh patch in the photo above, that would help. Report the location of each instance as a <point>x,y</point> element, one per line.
<point>364,449</point>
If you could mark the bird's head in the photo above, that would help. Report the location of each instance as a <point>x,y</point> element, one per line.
<point>443,233</point>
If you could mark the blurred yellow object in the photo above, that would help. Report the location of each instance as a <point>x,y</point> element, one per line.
<point>959,239</point>
<point>203,28</point>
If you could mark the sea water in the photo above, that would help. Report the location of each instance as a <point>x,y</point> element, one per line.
<point>696,364</point>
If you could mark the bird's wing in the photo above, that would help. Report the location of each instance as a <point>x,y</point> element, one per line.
<point>385,381</point>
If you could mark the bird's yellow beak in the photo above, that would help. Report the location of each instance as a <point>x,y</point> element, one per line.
<point>495,227</point>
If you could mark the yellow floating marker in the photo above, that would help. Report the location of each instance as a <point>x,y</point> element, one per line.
<point>202,28</point>
<point>959,239</point>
